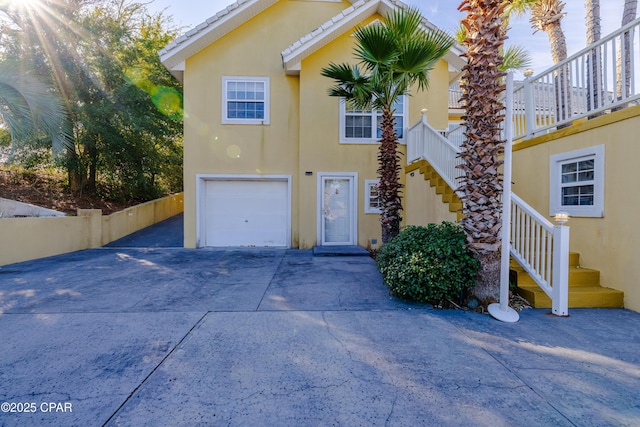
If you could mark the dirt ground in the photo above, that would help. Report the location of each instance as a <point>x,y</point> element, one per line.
<point>50,191</point>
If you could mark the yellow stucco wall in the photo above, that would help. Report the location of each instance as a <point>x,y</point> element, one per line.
<point>422,205</point>
<point>303,133</point>
<point>320,149</point>
<point>130,220</point>
<point>33,238</point>
<point>254,49</point>
<point>608,244</point>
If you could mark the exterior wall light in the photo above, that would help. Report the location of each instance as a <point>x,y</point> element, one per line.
<point>561,218</point>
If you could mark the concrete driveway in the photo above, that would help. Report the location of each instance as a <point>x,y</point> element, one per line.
<point>274,337</point>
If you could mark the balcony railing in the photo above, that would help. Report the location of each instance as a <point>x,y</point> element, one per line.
<point>601,78</point>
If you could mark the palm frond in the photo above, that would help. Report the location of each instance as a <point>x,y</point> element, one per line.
<point>518,7</point>
<point>349,83</point>
<point>28,106</point>
<point>404,23</point>
<point>515,58</point>
<point>375,48</point>
<point>460,34</point>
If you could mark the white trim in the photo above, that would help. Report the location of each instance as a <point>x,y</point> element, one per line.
<point>234,15</point>
<point>266,100</point>
<point>201,196</point>
<point>368,209</point>
<point>555,179</point>
<point>373,139</point>
<point>360,10</point>
<point>353,176</point>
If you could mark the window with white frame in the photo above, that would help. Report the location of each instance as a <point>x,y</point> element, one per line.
<point>577,182</point>
<point>364,126</point>
<point>245,100</point>
<point>372,203</point>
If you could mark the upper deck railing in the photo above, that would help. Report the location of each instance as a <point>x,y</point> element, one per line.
<point>599,79</point>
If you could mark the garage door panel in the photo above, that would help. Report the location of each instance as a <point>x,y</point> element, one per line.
<point>246,213</point>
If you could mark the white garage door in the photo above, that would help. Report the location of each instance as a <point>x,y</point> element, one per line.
<point>246,213</point>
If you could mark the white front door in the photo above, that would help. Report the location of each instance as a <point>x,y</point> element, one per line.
<point>338,209</point>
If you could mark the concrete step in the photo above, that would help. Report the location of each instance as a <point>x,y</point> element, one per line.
<point>579,297</point>
<point>578,277</point>
<point>585,290</point>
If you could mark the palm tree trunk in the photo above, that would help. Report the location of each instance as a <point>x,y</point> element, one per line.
<point>558,44</point>
<point>623,86</point>
<point>388,170</point>
<point>595,94</point>
<point>546,15</point>
<point>481,185</point>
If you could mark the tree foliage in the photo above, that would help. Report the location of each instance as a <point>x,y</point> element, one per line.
<point>125,107</point>
<point>428,264</point>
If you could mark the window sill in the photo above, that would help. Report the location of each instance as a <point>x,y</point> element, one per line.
<point>356,141</point>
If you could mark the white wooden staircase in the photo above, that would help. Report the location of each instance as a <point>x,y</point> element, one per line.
<point>536,244</point>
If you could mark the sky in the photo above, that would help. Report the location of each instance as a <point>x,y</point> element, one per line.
<point>444,14</point>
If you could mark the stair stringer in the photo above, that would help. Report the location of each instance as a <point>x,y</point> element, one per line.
<point>447,194</point>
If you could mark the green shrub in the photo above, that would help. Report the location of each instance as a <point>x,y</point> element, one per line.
<point>428,264</point>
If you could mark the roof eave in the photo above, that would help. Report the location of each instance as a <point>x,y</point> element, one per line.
<point>223,22</point>
<point>324,34</point>
<point>349,18</point>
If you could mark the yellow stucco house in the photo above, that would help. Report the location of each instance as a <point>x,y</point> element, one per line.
<point>269,158</point>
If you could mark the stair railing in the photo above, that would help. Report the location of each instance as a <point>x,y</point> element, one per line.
<point>425,142</point>
<point>541,248</point>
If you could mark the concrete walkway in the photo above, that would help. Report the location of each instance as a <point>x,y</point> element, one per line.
<point>274,337</point>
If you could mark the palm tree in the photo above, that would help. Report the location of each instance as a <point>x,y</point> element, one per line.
<point>393,56</point>
<point>546,15</point>
<point>515,57</point>
<point>481,185</point>
<point>592,8</point>
<point>28,107</point>
<point>628,15</point>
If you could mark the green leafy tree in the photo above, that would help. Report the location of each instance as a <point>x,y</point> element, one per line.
<point>393,56</point>
<point>125,107</point>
